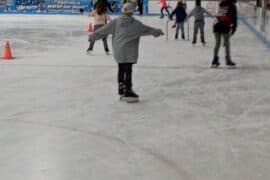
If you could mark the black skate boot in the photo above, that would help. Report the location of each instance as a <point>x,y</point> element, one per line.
<point>107,51</point>
<point>183,36</point>
<point>215,62</point>
<point>89,51</point>
<point>203,41</point>
<point>193,42</point>
<point>230,63</point>
<point>121,89</point>
<point>130,96</point>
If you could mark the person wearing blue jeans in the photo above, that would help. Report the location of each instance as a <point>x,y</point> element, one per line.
<point>180,25</point>
<point>181,15</point>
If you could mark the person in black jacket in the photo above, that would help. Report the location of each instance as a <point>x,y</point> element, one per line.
<point>181,15</point>
<point>225,26</point>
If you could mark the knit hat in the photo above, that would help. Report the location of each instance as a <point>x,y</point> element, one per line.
<point>128,8</point>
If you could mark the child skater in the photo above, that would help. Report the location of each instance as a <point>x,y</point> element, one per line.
<point>184,4</point>
<point>181,15</point>
<point>100,19</point>
<point>198,13</point>
<point>224,27</point>
<point>126,32</point>
<point>164,5</point>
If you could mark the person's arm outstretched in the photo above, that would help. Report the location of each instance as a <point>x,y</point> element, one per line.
<point>192,12</point>
<point>208,13</point>
<point>147,30</point>
<point>103,31</point>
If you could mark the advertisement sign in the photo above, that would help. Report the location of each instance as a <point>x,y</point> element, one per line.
<point>56,6</point>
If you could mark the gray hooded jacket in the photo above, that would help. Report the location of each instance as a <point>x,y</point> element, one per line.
<point>198,13</point>
<point>126,32</point>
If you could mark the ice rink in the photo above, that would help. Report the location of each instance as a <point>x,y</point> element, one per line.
<point>61,118</point>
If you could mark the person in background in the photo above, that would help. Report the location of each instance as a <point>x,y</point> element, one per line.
<point>100,19</point>
<point>164,5</point>
<point>140,6</point>
<point>224,27</point>
<point>181,15</point>
<point>198,12</point>
<point>126,32</point>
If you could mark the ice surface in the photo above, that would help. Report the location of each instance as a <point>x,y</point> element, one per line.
<point>60,117</point>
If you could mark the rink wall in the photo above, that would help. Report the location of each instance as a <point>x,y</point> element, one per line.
<point>56,6</point>
<point>251,17</point>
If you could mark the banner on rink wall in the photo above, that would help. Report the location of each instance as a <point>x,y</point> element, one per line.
<point>56,6</point>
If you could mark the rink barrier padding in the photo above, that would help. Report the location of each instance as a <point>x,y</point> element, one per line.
<point>57,7</point>
<point>259,35</point>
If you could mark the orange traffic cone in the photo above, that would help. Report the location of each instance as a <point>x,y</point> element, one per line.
<point>90,29</point>
<point>8,55</point>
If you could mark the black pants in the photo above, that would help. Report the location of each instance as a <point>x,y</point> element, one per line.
<point>166,9</point>
<point>105,43</point>
<point>125,74</point>
<point>140,6</point>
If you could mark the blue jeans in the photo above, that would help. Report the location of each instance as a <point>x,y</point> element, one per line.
<point>180,25</point>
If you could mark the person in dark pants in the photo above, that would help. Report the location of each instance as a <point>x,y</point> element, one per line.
<point>124,76</point>
<point>140,6</point>
<point>100,19</point>
<point>181,15</point>
<point>225,26</point>
<point>164,5</point>
<point>126,32</point>
<point>92,43</point>
<point>198,13</point>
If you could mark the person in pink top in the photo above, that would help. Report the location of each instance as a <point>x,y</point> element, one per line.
<point>164,5</point>
<point>100,19</point>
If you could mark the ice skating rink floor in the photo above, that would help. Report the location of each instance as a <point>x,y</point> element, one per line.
<point>61,119</point>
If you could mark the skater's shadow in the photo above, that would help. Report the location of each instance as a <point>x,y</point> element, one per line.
<point>255,68</point>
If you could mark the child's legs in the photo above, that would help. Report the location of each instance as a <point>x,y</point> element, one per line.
<point>177,29</point>
<point>201,27</point>
<point>91,45</point>
<point>195,31</point>
<point>105,44</point>
<point>161,11</point>
<point>121,73</point>
<point>125,74</point>
<point>128,75</point>
<point>218,42</point>
<point>182,28</point>
<point>226,38</point>
<point>167,11</point>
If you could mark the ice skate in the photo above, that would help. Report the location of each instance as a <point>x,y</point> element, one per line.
<point>203,42</point>
<point>215,62</point>
<point>130,97</point>
<point>183,37</point>
<point>89,52</point>
<point>230,63</point>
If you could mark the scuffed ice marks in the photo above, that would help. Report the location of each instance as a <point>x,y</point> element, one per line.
<point>39,39</point>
